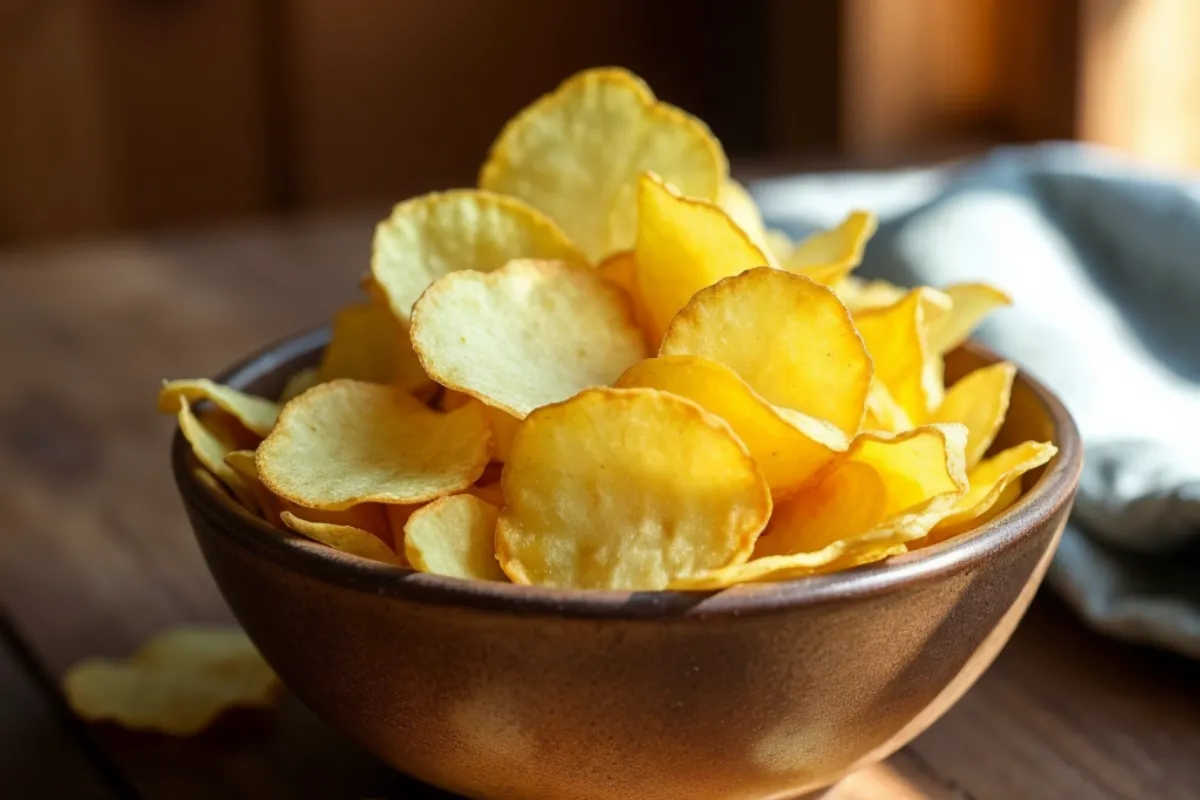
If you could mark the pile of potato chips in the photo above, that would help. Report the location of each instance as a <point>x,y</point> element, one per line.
<point>599,371</point>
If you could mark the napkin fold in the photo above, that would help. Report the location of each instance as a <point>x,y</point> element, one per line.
<point>1102,258</point>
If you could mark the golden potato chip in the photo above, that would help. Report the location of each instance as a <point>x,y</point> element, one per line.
<point>369,344</point>
<point>735,201</point>
<point>269,506</point>
<point>578,152</point>
<point>232,434</point>
<point>683,245</point>
<point>527,335</point>
<point>209,482</point>
<point>627,489</point>
<point>504,428</point>
<point>256,413</point>
<point>786,336</point>
<point>434,235</point>
<point>990,481</point>
<point>970,303</point>
<point>210,452</point>
<point>455,536</point>
<point>834,558</point>
<point>777,244</point>
<point>789,447</point>
<point>858,294</point>
<point>489,493</point>
<point>883,412</point>
<point>179,683</point>
<point>829,256</point>
<point>345,538</point>
<point>620,269</point>
<point>885,490</point>
<point>979,401</point>
<point>348,442</point>
<point>904,362</point>
<point>298,383</point>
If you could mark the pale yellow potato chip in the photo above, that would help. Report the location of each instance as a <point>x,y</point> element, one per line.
<point>970,303</point>
<point>232,434</point>
<point>887,489</point>
<point>829,256</point>
<point>735,201</point>
<point>209,482</point>
<point>298,383</point>
<point>684,245</point>
<point>578,152</point>
<point>979,401</point>
<point>834,558</point>
<point>210,452</point>
<point>455,536</point>
<point>369,344</point>
<point>656,489</point>
<point>620,269</point>
<point>904,362</point>
<point>348,442</point>
<point>786,336</point>
<point>269,506</point>
<point>504,428</point>
<point>179,683</point>
<point>257,413</point>
<point>789,447</point>
<point>436,234</point>
<point>990,481</point>
<point>345,538</point>
<point>527,335</point>
<point>883,412</point>
<point>858,294</point>
<point>778,245</point>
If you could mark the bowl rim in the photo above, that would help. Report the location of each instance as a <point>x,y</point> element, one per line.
<point>1046,498</point>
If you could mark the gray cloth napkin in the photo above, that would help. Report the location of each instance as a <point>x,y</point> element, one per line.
<point>1102,258</point>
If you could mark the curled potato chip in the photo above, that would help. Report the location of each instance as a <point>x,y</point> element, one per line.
<point>735,201</point>
<point>345,538</point>
<point>834,558</point>
<point>990,481</point>
<point>786,336</point>
<point>436,234</point>
<point>683,245</point>
<point>298,383</point>
<point>369,344</point>
<point>210,482</point>
<point>979,401</point>
<point>886,489</point>
<point>210,452</point>
<point>348,442</point>
<point>904,362</point>
<point>969,304</point>
<point>829,256</point>
<point>789,447</point>
<point>256,413</point>
<point>529,334</point>
<point>777,244</point>
<point>455,536</point>
<point>657,489</point>
<point>269,506</point>
<point>883,412</point>
<point>179,683</point>
<point>859,295</point>
<point>578,152</point>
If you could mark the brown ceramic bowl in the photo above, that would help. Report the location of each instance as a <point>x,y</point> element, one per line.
<point>761,691</point>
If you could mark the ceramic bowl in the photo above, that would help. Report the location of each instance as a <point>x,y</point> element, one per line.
<point>760,691</point>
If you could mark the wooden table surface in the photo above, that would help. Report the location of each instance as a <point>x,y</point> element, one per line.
<point>95,555</point>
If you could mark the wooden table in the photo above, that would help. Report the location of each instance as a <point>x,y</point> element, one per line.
<point>95,555</point>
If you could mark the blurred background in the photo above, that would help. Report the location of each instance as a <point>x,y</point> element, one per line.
<point>144,114</point>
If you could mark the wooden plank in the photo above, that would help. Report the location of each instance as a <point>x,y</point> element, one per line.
<point>39,756</point>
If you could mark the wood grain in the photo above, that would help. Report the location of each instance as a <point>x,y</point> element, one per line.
<point>96,554</point>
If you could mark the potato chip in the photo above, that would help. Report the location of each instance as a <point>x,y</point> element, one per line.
<point>829,256</point>
<point>656,489</point>
<point>348,442</point>
<point>210,452</point>
<point>777,244</point>
<point>979,401</point>
<point>256,413</point>
<point>883,412</point>
<point>179,683</point>
<point>298,383</point>
<point>683,245</point>
<point>859,295</point>
<point>527,335</point>
<point>232,434</point>
<point>489,493</point>
<point>786,336</point>
<point>369,344</point>
<point>789,447</point>
<point>620,269</point>
<point>209,482</point>
<point>436,234</point>
<point>885,490</point>
<point>990,482</point>
<point>904,362</point>
<point>834,558</point>
<point>735,201</point>
<point>578,152</point>
<point>504,428</point>
<point>345,538</point>
<point>970,303</point>
<point>455,536</point>
<point>269,506</point>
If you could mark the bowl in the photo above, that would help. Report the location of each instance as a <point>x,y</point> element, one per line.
<point>759,691</point>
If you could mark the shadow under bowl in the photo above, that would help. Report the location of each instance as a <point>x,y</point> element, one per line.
<point>759,691</point>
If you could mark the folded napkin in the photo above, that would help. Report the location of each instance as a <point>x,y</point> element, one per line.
<point>1102,258</point>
